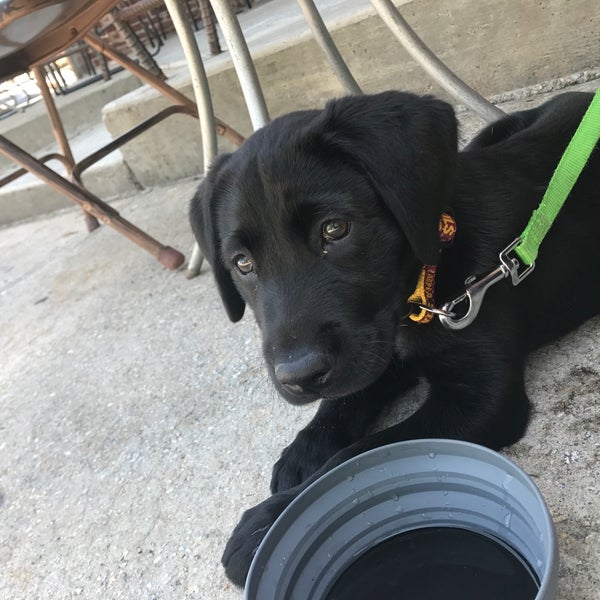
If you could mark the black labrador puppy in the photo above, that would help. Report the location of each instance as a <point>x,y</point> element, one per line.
<point>322,221</point>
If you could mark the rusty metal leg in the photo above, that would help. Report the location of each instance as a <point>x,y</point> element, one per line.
<point>59,134</point>
<point>44,159</point>
<point>167,256</point>
<point>209,26</point>
<point>176,96</point>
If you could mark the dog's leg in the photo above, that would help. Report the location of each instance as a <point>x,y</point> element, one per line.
<point>476,396</point>
<point>337,424</point>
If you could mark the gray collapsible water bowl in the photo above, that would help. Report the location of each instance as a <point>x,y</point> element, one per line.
<point>394,489</point>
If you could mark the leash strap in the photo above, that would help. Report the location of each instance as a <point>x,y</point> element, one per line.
<point>568,170</point>
<point>526,246</point>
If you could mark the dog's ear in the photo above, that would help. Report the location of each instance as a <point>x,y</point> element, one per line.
<point>407,147</point>
<point>203,220</point>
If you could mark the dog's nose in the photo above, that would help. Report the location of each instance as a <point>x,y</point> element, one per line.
<point>306,373</point>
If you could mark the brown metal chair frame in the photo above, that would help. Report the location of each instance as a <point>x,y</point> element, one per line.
<point>42,50</point>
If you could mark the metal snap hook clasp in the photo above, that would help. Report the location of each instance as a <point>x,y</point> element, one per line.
<point>476,288</point>
<point>474,294</point>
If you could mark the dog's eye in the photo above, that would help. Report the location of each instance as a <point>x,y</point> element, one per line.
<point>244,264</point>
<point>335,230</point>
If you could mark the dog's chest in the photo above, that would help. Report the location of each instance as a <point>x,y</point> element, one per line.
<point>406,345</point>
<point>419,341</point>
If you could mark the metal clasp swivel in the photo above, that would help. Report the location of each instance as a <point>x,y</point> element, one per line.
<point>476,288</point>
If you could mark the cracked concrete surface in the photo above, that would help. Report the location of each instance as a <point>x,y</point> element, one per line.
<point>137,423</point>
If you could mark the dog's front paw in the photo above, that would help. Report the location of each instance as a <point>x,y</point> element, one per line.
<point>304,456</point>
<point>249,533</point>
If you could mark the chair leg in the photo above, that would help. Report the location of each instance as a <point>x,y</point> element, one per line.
<point>167,256</point>
<point>180,17</point>
<point>195,264</point>
<point>91,222</point>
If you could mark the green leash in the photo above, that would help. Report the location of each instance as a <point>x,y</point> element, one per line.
<point>568,170</point>
<point>527,245</point>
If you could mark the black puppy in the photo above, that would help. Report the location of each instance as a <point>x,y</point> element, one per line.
<point>322,221</point>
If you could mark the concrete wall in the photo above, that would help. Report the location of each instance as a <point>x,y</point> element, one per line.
<point>495,45</point>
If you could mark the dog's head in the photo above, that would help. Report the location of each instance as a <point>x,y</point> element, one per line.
<point>320,222</point>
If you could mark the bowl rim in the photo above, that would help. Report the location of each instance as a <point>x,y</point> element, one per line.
<point>416,447</point>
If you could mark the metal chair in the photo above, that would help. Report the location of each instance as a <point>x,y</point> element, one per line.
<point>32,32</point>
